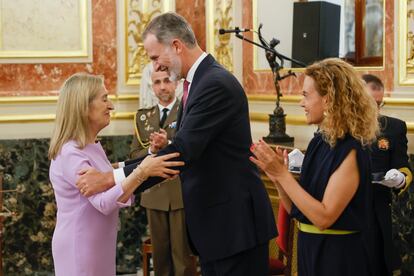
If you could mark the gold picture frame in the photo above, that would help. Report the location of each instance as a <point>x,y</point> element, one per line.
<point>83,54</point>
<point>406,43</point>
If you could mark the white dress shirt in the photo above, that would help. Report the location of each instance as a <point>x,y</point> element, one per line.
<point>169,107</point>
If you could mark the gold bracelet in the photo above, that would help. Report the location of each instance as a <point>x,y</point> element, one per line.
<point>137,170</point>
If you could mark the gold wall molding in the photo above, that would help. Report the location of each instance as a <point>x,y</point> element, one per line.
<point>272,98</point>
<point>53,99</point>
<point>137,15</point>
<point>259,117</point>
<point>82,54</point>
<point>220,14</point>
<point>410,127</point>
<point>262,117</point>
<point>388,101</point>
<point>34,118</point>
<point>406,42</point>
<point>290,119</point>
<point>44,118</point>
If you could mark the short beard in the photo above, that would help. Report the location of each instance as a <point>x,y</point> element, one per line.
<point>174,76</point>
<point>175,70</point>
<point>166,98</point>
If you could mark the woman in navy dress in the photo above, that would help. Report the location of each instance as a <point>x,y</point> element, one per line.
<point>333,201</point>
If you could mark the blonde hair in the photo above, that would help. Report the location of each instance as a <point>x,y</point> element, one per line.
<point>351,110</point>
<point>72,110</point>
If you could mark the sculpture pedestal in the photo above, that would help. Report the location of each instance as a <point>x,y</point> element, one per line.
<point>277,129</point>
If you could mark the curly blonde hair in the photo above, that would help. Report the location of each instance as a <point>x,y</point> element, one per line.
<point>350,109</point>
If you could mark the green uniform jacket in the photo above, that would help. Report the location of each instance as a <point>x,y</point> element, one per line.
<point>166,195</point>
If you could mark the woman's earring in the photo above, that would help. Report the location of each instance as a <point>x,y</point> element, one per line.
<point>325,114</point>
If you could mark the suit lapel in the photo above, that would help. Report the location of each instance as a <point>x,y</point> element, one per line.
<point>172,115</point>
<point>199,73</point>
<point>180,116</point>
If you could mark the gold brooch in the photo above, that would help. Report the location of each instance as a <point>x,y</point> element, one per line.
<point>383,144</point>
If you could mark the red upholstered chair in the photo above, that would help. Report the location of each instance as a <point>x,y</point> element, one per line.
<point>282,265</point>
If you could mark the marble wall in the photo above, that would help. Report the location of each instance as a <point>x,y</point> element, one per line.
<point>195,13</point>
<point>45,79</point>
<point>23,86</point>
<point>42,25</point>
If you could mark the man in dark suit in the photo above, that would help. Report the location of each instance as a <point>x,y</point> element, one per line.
<point>164,204</point>
<point>390,170</point>
<point>229,217</point>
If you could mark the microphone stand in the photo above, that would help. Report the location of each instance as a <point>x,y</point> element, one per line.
<point>277,120</point>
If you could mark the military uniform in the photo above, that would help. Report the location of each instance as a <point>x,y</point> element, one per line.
<point>388,152</point>
<point>164,203</point>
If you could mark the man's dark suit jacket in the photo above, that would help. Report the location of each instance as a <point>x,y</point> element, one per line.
<point>226,204</point>
<point>388,152</point>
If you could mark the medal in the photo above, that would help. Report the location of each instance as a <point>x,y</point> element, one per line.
<point>383,144</point>
<point>173,124</point>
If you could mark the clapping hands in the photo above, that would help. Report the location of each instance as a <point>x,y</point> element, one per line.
<point>158,140</point>
<point>272,162</point>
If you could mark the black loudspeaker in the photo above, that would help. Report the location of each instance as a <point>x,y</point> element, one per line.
<point>316,28</point>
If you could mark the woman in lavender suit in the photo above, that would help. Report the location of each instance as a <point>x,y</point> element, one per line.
<point>84,241</point>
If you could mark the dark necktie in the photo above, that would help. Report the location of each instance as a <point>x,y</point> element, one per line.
<point>164,116</point>
<point>186,84</point>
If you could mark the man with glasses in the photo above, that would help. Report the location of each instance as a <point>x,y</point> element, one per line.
<point>390,172</point>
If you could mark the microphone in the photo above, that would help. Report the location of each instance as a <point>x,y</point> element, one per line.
<point>235,30</point>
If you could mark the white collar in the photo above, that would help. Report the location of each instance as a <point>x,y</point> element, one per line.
<point>170,106</point>
<point>191,72</point>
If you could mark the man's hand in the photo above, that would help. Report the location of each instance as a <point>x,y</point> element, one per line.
<point>158,140</point>
<point>273,162</point>
<point>394,179</point>
<point>160,166</point>
<point>92,181</point>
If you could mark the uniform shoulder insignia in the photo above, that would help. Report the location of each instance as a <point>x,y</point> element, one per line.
<point>144,113</point>
<point>144,109</point>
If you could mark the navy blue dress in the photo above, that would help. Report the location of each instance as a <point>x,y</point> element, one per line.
<point>351,254</point>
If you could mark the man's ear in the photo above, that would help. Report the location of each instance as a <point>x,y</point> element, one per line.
<point>177,45</point>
